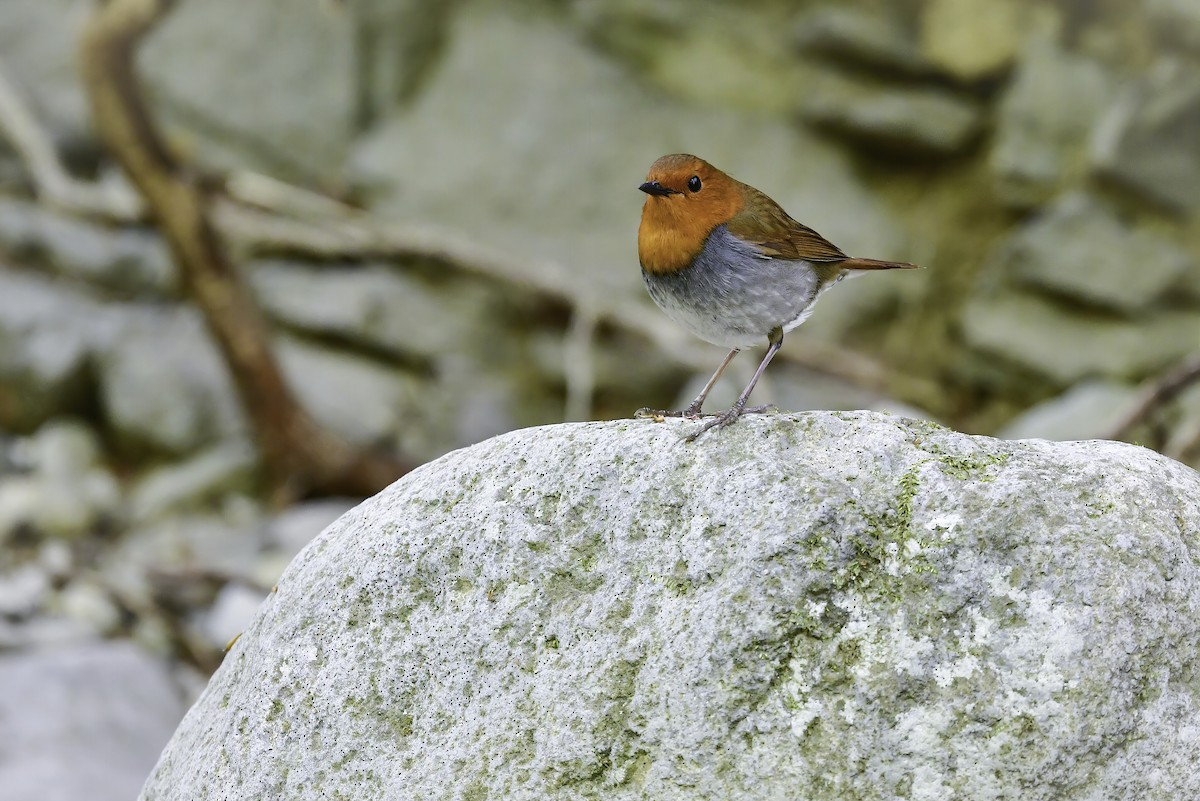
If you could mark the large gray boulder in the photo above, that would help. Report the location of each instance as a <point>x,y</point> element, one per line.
<point>809,606</point>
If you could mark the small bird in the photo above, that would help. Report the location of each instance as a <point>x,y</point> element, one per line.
<point>728,264</point>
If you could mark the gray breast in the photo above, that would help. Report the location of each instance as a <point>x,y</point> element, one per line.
<point>732,295</point>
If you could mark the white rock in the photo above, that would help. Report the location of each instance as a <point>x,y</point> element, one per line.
<point>296,526</point>
<point>87,601</point>
<point>66,492</point>
<point>231,613</point>
<point>82,722</point>
<point>163,384</point>
<point>22,590</point>
<point>57,559</point>
<point>191,482</point>
<point>62,450</point>
<point>605,611</point>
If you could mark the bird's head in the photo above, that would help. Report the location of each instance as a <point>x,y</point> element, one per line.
<point>688,198</point>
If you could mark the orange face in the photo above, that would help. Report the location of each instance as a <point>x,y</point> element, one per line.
<point>688,198</point>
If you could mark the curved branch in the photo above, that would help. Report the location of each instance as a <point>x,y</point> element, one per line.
<point>299,456</point>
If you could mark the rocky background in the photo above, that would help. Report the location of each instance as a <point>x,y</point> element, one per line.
<point>1040,159</point>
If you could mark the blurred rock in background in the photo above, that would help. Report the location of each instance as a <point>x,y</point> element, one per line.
<point>1038,158</point>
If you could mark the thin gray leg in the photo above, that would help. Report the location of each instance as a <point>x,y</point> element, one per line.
<point>693,409</point>
<point>739,406</point>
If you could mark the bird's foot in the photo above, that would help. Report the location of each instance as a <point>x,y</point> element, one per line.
<point>722,420</point>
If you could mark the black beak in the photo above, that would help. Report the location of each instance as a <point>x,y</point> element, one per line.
<point>657,189</point>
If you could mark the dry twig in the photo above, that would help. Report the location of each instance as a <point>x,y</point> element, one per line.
<point>1158,392</point>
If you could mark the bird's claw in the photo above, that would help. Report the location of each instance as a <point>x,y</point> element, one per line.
<point>720,421</point>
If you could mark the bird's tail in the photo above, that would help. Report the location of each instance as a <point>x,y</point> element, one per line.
<point>875,264</point>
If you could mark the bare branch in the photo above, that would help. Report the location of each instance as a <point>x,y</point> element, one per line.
<point>1158,392</point>
<point>299,455</point>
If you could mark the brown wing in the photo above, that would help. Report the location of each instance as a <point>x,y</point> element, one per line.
<point>763,223</point>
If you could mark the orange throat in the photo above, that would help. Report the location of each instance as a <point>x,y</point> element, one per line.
<point>669,239</point>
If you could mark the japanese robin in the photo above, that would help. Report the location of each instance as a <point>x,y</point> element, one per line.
<point>728,264</point>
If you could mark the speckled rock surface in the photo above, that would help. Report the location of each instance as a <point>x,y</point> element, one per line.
<point>812,606</point>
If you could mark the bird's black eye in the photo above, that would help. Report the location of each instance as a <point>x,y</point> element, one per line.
<point>694,183</point>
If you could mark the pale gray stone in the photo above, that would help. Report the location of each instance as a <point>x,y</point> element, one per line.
<point>63,449</point>
<point>127,260</point>
<point>20,503</point>
<point>375,306</point>
<point>397,43</point>
<point>163,385</point>
<point>292,108</point>
<point>1064,344</point>
<point>289,107</point>
<point>972,40</point>
<point>42,631</point>
<point>65,492</point>
<point>231,612</point>
<point>357,398</point>
<point>48,333</point>
<point>1080,249</point>
<point>710,56</point>
<point>82,722</point>
<point>68,509</point>
<point>822,605</point>
<point>1176,21</point>
<point>296,526</point>
<point>88,601</point>
<point>875,40</point>
<point>1147,139</point>
<point>225,468</point>
<point>38,39</point>
<point>1087,410</point>
<point>57,558</point>
<point>1044,118</point>
<point>23,590</point>
<point>185,559</point>
<point>909,120</point>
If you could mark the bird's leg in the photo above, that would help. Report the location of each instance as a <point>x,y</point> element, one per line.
<point>693,409</point>
<point>739,406</point>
